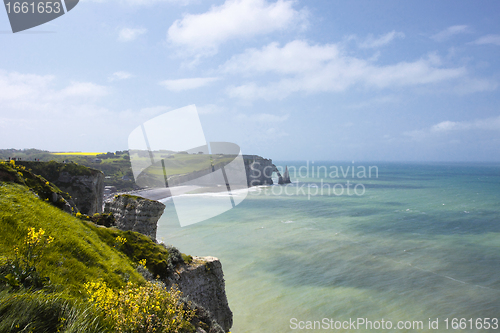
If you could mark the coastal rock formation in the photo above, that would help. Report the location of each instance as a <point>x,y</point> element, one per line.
<point>39,185</point>
<point>259,170</point>
<point>202,282</point>
<point>286,177</point>
<point>87,190</point>
<point>85,185</point>
<point>135,213</point>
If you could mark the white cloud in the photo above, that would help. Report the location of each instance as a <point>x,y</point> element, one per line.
<point>488,39</point>
<point>154,111</point>
<point>450,31</point>
<point>377,101</point>
<point>491,124</point>
<point>275,133</point>
<point>35,92</point>
<point>84,89</point>
<point>129,34</point>
<point>262,118</point>
<point>187,84</point>
<point>119,76</point>
<point>203,33</point>
<point>473,85</point>
<point>325,68</point>
<point>14,86</point>
<point>40,104</point>
<point>30,99</point>
<point>372,42</point>
<point>209,109</point>
<point>448,126</point>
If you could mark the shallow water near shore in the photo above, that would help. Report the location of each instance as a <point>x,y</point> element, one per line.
<point>422,241</point>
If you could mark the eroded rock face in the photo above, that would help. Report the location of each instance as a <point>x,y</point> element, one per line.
<point>84,185</point>
<point>202,282</point>
<point>135,213</point>
<point>86,190</point>
<point>259,170</point>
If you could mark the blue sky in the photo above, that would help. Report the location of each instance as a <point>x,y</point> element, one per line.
<point>289,80</point>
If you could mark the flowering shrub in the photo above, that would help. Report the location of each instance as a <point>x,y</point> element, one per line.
<point>119,241</point>
<point>144,309</point>
<point>21,270</point>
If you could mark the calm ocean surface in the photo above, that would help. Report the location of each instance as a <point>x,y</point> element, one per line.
<point>422,241</point>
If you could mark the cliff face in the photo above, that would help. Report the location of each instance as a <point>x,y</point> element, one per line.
<point>85,185</point>
<point>43,189</point>
<point>135,213</point>
<point>87,190</point>
<point>259,170</point>
<point>202,282</point>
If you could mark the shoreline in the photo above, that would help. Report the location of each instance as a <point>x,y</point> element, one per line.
<point>157,194</point>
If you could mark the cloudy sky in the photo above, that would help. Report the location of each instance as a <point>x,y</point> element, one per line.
<point>289,80</point>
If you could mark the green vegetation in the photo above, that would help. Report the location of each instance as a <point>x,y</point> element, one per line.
<point>148,308</point>
<point>21,270</point>
<point>13,172</point>
<point>160,260</point>
<point>40,312</point>
<point>47,257</point>
<point>179,164</point>
<point>117,168</point>
<point>52,169</point>
<point>80,257</point>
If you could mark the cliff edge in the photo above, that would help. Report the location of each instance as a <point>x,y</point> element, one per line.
<point>85,185</point>
<point>135,213</point>
<point>202,282</point>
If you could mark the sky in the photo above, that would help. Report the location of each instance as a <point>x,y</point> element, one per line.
<point>288,80</point>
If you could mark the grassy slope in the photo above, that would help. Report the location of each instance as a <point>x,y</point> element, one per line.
<point>77,254</point>
<point>81,252</point>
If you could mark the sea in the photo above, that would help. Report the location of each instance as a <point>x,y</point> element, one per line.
<point>390,247</point>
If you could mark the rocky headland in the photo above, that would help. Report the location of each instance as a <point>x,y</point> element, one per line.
<point>135,213</point>
<point>84,185</point>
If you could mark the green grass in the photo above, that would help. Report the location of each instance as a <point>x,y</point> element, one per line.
<point>184,164</point>
<point>77,254</point>
<point>113,165</point>
<point>27,311</point>
<point>117,165</point>
<point>19,174</point>
<point>52,169</point>
<point>81,252</point>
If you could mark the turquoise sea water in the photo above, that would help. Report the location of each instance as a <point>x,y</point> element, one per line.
<point>422,241</point>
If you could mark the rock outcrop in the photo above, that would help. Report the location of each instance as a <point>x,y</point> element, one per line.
<point>286,176</point>
<point>87,190</point>
<point>202,282</point>
<point>85,185</point>
<point>135,213</point>
<point>259,170</point>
